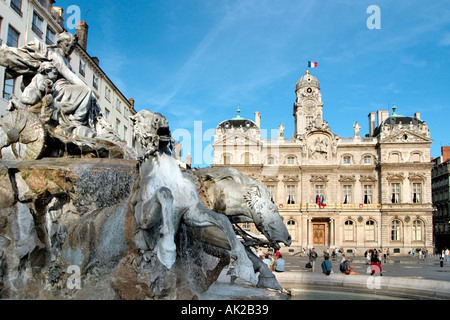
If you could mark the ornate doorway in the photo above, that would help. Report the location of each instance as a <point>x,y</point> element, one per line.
<point>319,234</point>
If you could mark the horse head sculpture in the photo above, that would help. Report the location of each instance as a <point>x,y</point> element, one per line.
<point>152,133</point>
<point>243,199</point>
<point>167,198</point>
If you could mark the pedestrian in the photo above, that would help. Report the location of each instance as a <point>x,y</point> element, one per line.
<point>267,261</point>
<point>420,254</point>
<point>367,255</point>
<point>343,258</point>
<point>312,259</point>
<point>277,254</point>
<point>347,268</point>
<point>388,253</point>
<point>279,264</point>
<point>260,253</point>
<point>327,266</point>
<point>447,254</point>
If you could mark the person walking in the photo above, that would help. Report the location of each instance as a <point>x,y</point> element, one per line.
<point>447,254</point>
<point>312,259</point>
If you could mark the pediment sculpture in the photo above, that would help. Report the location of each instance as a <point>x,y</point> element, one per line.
<point>320,146</point>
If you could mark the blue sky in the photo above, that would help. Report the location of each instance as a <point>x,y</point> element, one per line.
<point>198,60</point>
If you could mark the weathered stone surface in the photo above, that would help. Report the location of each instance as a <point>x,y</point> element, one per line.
<point>61,214</point>
<point>46,226</point>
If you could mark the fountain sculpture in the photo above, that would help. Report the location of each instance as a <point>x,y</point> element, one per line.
<point>82,216</point>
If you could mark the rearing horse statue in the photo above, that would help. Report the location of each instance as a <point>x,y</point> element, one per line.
<point>167,197</point>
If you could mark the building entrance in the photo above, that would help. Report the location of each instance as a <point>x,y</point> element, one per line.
<point>320,232</point>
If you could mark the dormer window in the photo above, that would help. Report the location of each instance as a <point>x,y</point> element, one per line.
<point>347,160</point>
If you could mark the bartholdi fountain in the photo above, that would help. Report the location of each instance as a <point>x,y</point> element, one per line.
<point>84,217</point>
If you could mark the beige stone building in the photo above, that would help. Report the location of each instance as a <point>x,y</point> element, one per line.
<point>353,193</point>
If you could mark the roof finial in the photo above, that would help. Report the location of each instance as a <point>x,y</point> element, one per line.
<point>393,110</point>
<point>238,117</point>
<point>307,72</point>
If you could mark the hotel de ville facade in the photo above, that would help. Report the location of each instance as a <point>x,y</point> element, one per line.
<point>354,193</point>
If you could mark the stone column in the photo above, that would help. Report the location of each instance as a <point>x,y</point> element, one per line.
<point>332,232</point>
<point>310,244</point>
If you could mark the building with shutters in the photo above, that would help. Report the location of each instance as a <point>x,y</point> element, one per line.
<point>24,21</point>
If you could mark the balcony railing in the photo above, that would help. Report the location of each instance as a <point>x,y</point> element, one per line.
<point>333,206</point>
<point>355,206</point>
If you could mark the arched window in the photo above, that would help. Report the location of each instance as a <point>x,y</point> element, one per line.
<point>348,230</point>
<point>226,158</point>
<point>247,158</point>
<point>395,230</point>
<point>415,157</point>
<point>290,160</point>
<point>291,227</point>
<point>370,230</point>
<point>417,230</point>
<point>395,157</point>
<point>347,159</point>
<point>367,159</point>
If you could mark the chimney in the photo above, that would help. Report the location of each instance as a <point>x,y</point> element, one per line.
<point>131,100</point>
<point>381,116</point>
<point>188,159</point>
<point>257,119</point>
<point>445,151</point>
<point>82,33</point>
<point>178,151</point>
<point>371,123</point>
<point>96,60</point>
<point>417,115</point>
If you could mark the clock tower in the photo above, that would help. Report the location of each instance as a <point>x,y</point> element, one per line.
<point>308,104</point>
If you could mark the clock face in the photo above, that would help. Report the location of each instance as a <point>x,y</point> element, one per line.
<point>309,105</point>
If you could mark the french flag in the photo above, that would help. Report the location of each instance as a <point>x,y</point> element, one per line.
<point>312,64</point>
